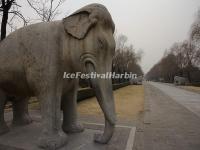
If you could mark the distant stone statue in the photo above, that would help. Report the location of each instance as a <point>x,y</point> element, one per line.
<point>137,80</point>
<point>180,80</point>
<point>33,60</point>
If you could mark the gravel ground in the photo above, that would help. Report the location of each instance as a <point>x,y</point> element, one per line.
<point>166,124</point>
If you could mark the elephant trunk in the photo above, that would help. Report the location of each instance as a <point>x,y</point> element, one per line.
<point>104,94</point>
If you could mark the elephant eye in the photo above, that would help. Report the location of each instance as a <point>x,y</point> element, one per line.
<point>102,44</point>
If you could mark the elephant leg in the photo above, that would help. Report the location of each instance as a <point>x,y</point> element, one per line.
<point>3,127</point>
<point>69,107</point>
<point>20,112</point>
<point>52,136</point>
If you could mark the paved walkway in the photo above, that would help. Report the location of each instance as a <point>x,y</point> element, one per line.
<point>188,99</point>
<point>167,124</point>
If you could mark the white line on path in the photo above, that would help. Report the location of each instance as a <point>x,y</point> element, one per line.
<point>131,139</point>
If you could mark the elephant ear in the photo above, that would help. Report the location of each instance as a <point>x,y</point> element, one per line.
<point>79,24</point>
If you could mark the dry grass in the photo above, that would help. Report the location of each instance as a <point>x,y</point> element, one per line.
<point>33,105</point>
<point>192,88</point>
<point>129,103</point>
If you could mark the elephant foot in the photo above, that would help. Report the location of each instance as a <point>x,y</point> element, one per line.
<point>3,128</point>
<point>73,128</point>
<point>25,120</point>
<point>100,138</point>
<point>53,142</point>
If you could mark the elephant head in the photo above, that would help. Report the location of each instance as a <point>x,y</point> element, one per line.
<point>91,29</point>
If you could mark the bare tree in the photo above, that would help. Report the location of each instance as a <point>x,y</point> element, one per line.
<point>47,10</point>
<point>195,38</point>
<point>126,59</point>
<point>195,28</point>
<point>166,69</point>
<point>181,59</point>
<point>121,41</point>
<point>177,50</point>
<point>139,55</point>
<point>9,7</point>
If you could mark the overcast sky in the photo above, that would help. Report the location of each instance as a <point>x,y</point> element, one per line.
<point>151,25</point>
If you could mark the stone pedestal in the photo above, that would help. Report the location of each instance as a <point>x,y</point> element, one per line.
<point>25,138</point>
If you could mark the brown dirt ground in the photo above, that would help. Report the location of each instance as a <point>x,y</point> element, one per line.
<point>129,103</point>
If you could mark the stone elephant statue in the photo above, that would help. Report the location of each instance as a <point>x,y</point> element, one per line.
<point>33,60</point>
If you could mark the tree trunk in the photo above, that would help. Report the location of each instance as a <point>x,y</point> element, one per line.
<point>4,24</point>
<point>189,77</point>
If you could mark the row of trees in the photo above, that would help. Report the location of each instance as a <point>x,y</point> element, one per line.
<point>126,59</point>
<point>182,59</point>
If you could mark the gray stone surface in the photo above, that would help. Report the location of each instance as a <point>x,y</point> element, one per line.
<point>180,80</point>
<point>38,59</point>
<point>25,138</point>
<point>188,99</point>
<point>171,127</point>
